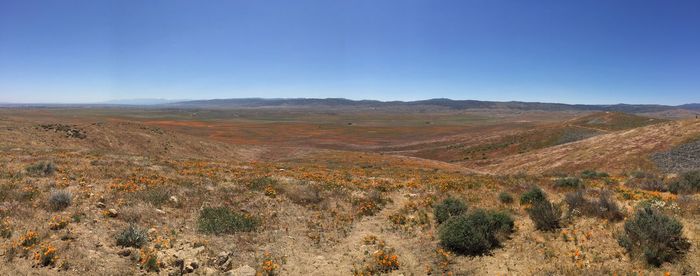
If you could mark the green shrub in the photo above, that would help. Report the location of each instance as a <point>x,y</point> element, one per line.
<point>688,183</point>
<point>42,168</point>
<point>476,233</point>
<point>448,208</point>
<point>605,207</point>
<point>132,236</point>
<point>545,215</point>
<point>505,198</point>
<point>655,236</point>
<point>221,220</point>
<point>569,183</point>
<point>535,194</point>
<point>59,200</point>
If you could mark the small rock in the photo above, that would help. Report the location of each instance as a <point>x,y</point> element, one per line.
<point>221,258</point>
<point>101,205</point>
<point>160,212</point>
<point>124,253</point>
<point>208,271</point>
<point>152,231</point>
<point>189,269</point>
<point>173,199</point>
<point>194,264</point>
<point>112,213</point>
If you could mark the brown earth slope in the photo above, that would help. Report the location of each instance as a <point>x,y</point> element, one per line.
<point>614,152</point>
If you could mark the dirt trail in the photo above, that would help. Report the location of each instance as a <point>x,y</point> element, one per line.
<point>339,259</point>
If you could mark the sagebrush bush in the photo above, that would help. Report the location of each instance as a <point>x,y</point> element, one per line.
<point>535,194</point>
<point>545,215</point>
<point>476,233</point>
<point>132,236</point>
<point>569,183</point>
<point>41,168</point>
<point>221,220</point>
<point>646,181</point>
<point>449,207</point>
<point>59,200</point>
<point>655,236</point>
<point>605,207</point>
<point>687,183</point>
<point>505,198</point>
<point>591,174</point>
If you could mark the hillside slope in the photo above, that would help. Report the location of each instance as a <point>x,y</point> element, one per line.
<point>613,152</point>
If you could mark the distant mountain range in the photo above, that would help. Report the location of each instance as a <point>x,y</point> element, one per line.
<point>440,102</point>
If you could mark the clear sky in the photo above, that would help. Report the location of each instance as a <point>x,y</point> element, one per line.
<point>633,51</point>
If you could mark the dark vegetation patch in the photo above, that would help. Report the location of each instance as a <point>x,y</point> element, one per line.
<point>532,196</point>
<point>132,236</point>
<point>685,157</point>
<point>569,183</point>
<point>646,181</point>
<point>71,131</point>
<point>475,233</point>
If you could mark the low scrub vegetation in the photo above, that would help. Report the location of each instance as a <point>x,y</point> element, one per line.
<point>448,208</point>
<point>687,183</point>
<point>545,215</point>
<point>41,169</point>
<point>590,174</point>
<point>59,200</point>
<point>568,183</point>
<point>532,196</point>
<point>221,220</point>
<point>646,181</point>
<point>476,233</point>
<point>132,236</point>
<point>505,198</point>
<point>655,236</point>
<point>605,207</point>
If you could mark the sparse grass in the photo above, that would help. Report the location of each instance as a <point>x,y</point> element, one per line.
<point>59,200</point>
<point>646,181</point>
<point>532,196</point>
<point>41,169</point>
<point>655,236</point>
<point>448,208</point>
<point>476,233</point>
<point>132,236</point>
<point>545,215</point>
<point>156,196</point>
<point>221,220</point>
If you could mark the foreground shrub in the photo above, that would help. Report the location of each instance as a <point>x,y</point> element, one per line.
<point>569,183</point>
<point>688,182</point>
<point>59,200</point>
<point>545,215</point>
<point>505,198</point>
<point>535,194</point>
<point>476,233</point>
<point>42,168</point>
<point>448,208</point>
<point>655,236</point>
<point>221,220</point>
<point>132,236</point>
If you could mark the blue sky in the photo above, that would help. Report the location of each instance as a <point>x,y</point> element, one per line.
<point>632,51</point>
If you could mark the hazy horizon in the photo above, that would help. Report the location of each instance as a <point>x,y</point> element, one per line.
<point>635,52</point>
